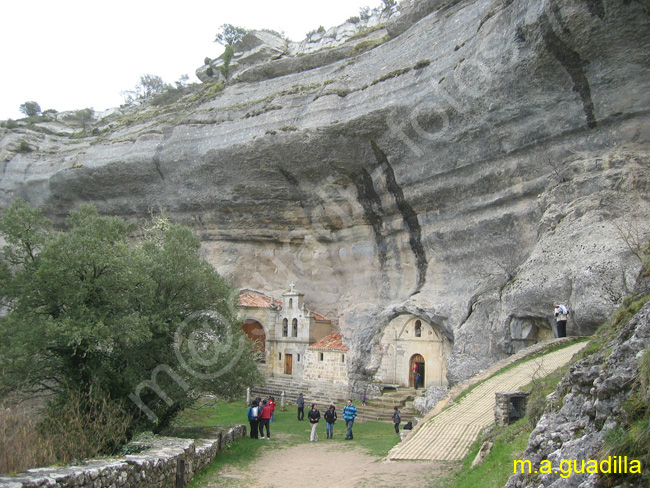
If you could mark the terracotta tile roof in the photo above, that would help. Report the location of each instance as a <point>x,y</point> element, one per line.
<point>331,342</point>
<point>256,299</point>
<point>318,316</point>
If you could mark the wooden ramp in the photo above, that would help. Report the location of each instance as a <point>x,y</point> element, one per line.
<point>448,435</point>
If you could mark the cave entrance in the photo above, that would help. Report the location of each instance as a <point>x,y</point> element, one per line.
<point>255,332</point>
<point>417,365</point>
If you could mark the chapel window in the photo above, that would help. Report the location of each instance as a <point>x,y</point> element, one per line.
<point>418,328</point>
<point>285,328</point>
<point>294,331</point>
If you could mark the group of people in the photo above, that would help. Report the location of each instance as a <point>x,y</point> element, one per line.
<point>330,416</point>
<point>260,415</point>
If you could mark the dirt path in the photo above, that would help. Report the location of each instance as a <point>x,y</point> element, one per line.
<point>334,465</point>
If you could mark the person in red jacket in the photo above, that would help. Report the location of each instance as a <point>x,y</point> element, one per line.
<point>263,419</point>
<point>272,405</point>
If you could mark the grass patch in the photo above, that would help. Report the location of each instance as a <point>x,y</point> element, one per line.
<point>369,30</point>
<point>367,45</point>
<point>376,438</point>
<point>509,444</point>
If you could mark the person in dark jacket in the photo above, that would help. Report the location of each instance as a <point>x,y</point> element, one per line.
<point>301,407</point>
<point>314,417</point>
<point>397,419</point>
<point>330,418</point>
<point>252,419</point>
<point>263,419</point>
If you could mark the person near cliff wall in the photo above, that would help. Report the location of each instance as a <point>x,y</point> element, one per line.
<point>561,316</point>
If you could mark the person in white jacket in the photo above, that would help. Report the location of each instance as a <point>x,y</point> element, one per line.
<point>561,316</point>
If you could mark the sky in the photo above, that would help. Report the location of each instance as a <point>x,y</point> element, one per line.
<point>73,54</point>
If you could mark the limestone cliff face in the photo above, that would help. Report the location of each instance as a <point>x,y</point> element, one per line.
<point>472,169</point>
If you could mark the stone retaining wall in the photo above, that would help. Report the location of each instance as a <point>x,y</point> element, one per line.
<point>170,462</point>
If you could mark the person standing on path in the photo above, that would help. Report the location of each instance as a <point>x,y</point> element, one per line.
<point>330,418</point>
<point>263,418</point>
<point>397,419</point>
<point>252,419</point>
<point>272,405</point>
<point>561,316</point>
<point>314,417</point>
<point>349,413</point>
<point>301,407</point>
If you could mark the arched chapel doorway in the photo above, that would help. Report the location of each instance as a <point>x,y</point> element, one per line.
<point>255,332</point>
<point>417,364</point>
<point>408,341</point>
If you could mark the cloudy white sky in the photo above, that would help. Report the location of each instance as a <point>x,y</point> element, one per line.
<point>74,54</point>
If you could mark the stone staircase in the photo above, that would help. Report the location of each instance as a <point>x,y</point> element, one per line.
<point>381,408</point>
<point>324,394</point>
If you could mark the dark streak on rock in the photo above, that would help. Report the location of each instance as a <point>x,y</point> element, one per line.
<point>156,162</point>
<point>408,214</point>
<point>596,7</point>
<point>574,65</point>
<point>372,211</point>
<point>295,184</point>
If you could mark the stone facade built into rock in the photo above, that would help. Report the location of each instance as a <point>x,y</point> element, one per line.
<point>409,341</point>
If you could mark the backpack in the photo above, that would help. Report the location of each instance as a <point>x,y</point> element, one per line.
<point>564,309</point>
<point>252,413</point>
<point>408,425</point>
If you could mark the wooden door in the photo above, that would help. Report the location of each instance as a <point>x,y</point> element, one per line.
<point>416,360</point>
<point>288,364</point>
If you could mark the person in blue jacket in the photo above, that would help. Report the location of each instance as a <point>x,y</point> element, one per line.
<point>349,413</point>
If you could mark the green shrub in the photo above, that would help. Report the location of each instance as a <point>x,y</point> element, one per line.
<point>207,61</point>
<point>353,20</point>
<point>227,57</point>
<point>11,124</point>
<point>368,44</point>
<point>24,147</point>
<point>209,71</point>
<point>167,98</point>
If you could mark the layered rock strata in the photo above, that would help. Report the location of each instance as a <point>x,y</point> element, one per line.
<point>483,162</point>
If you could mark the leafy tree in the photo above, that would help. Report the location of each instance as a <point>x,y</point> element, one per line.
<point>30,109</point>
<point>83,117</point>
<point>146,324</point>
<point>229,34</point>
<point>364,13</point>
<point>389,5</point>
<point>148,87</point>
